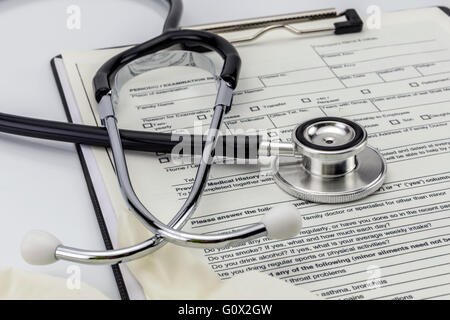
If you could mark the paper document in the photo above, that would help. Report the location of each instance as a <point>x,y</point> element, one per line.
<point>395,81</point>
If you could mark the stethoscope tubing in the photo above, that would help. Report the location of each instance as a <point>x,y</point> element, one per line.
<point>239,146</point>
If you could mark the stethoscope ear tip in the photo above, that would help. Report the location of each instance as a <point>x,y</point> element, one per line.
<point>38,247</point>
<point>282,221</point>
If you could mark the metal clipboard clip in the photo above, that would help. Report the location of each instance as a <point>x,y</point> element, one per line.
<point>352,24</point>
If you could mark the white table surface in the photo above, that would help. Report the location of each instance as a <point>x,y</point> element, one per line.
<point>41,182</point>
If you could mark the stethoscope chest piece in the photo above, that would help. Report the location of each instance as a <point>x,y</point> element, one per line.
<point>332,162</point>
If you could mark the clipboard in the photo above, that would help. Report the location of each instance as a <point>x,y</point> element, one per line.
<point>258,27</point>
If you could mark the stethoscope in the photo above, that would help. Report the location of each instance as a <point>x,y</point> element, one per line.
<point>327,160</point>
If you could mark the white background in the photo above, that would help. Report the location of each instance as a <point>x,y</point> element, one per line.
<point>41,182</point>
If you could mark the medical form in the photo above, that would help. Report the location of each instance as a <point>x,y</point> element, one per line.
<point>395,81</point>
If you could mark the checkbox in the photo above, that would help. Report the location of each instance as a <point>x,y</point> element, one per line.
<point>201,117</point>
<point>272,134</point>
<point>306,100</point>
<point>254,108</point>
<point>163,160</point>
<point>147,125</point>
<point>425,117</point>
<point>413,84</point>
<point>394,122</point>
<point>365,91</point>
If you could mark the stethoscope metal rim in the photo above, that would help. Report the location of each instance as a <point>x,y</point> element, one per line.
<point>302,189</point>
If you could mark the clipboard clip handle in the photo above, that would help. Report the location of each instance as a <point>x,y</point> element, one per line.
<point>352,25</point>
<point>289,22</point>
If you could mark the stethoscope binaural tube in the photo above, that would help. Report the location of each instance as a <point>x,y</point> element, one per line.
<point>227,82</point>
<point>42,248</point>
<point>230,69</point>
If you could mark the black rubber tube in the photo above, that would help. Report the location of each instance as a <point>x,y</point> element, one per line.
<point>173,15</point>
<point>241,146</point>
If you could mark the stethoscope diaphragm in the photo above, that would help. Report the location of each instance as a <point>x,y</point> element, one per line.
<point>332,162</point>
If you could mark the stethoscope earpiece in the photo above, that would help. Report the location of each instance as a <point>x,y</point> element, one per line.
<point>282,221</point>
<point>38,247</point>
